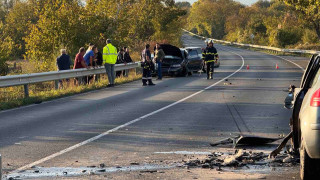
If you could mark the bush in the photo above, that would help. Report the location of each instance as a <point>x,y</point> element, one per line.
<point>285,37</point>
<point>3,68</point>
<point>309,37</point>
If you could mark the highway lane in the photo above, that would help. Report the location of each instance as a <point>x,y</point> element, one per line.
<point>251,104</point>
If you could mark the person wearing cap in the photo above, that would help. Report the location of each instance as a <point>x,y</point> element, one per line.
<point>210,56</point>
<point>109,57</point>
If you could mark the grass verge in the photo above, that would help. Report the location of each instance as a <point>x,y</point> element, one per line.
<point>13,97</point>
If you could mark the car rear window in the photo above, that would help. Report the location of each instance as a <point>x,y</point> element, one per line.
<point>315,79</point>
<point>193,54</point>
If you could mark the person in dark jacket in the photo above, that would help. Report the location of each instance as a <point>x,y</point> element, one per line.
<point>63,63</point>
<point>97,57</point>
<point>126,59</point>
<point>210,56</point>
<point>146,64</point>
<point>97,61</point>
<point>120,60</point>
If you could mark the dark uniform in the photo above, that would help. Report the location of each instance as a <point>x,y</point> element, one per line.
<point>210,56</point>
<point>147,67</point>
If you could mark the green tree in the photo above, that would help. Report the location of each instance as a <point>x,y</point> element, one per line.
<point>309,10</point>
<point>209,17</point>
<point>59,26</point>
<point>5,50</point>
<point>18,22</point>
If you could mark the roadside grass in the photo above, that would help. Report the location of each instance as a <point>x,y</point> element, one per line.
<point>13,97</point>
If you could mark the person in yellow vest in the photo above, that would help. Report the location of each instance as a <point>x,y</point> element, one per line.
<point>109,57</point>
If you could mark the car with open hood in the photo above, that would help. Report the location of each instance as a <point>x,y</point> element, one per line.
<point>181,61</point>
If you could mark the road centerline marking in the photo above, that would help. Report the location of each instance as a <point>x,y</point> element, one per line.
<point>126,124</point>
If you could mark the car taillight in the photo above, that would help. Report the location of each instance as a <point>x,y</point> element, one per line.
<point>315,99</point>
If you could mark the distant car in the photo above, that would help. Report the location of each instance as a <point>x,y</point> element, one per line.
<point>181,62</point>
<point>305,121</point>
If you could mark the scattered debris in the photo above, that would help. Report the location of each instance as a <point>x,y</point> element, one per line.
<point>245,140</point>
<point>101,170</point>
<point>255,140</point>
<point>275,152</point>
<point>46,172</point>
<point>134,163</point>
<point>241,158</point>
<point>148,171</point>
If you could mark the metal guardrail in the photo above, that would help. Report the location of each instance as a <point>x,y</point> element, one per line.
<point>258,46</point>
<point>26,79</point>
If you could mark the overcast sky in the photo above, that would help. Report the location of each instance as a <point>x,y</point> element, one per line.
<point>247,2</point>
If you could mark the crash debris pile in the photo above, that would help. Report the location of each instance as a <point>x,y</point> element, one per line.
<point>242,158</point>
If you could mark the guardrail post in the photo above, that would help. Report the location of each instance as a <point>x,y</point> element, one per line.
<point>56,84</point>
<point>26,90</point>
<point>0,167</point>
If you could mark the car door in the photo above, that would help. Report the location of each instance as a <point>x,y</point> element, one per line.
<point>299,94</point>
<point>192,59</point>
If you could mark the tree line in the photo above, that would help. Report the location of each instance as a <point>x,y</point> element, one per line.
<point>280,23</point>
<point>37,29</point>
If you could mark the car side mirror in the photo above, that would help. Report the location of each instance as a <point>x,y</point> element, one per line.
<point>288,102</point>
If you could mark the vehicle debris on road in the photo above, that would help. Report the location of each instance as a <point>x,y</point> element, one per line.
<point>245,140</point>
<point>241,158</point>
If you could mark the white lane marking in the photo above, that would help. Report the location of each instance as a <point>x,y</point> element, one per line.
<point>230,47</point>
<point>126,124</point>
<point>290,62</point>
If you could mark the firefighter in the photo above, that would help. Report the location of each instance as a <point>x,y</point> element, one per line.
<point>147,66</point>
<point>211,56</point>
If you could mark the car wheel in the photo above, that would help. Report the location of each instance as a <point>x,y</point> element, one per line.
<point>309,168</point>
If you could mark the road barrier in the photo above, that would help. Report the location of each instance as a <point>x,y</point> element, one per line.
<point>258,46</point>
<point>26,79</point>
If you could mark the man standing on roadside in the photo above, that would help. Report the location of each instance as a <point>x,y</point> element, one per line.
<point>109,59</point>
<point>159,55</point>
<point>146,65</point>
<point>63,63</point>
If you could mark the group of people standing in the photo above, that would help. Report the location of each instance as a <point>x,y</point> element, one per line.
<point>123,58</point>
<point>92,58</point>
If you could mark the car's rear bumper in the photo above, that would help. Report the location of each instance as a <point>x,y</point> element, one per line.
<point>311,137</point>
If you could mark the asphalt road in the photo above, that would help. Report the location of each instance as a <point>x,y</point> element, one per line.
<point>130,123</point>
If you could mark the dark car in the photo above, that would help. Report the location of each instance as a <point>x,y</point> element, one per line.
<point>181,61</point>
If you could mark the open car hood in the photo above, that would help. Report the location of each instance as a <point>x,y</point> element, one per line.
<point>170,50</point>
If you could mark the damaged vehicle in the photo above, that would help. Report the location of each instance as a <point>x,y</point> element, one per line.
<point>181,61</point>
<point>305,121</point>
